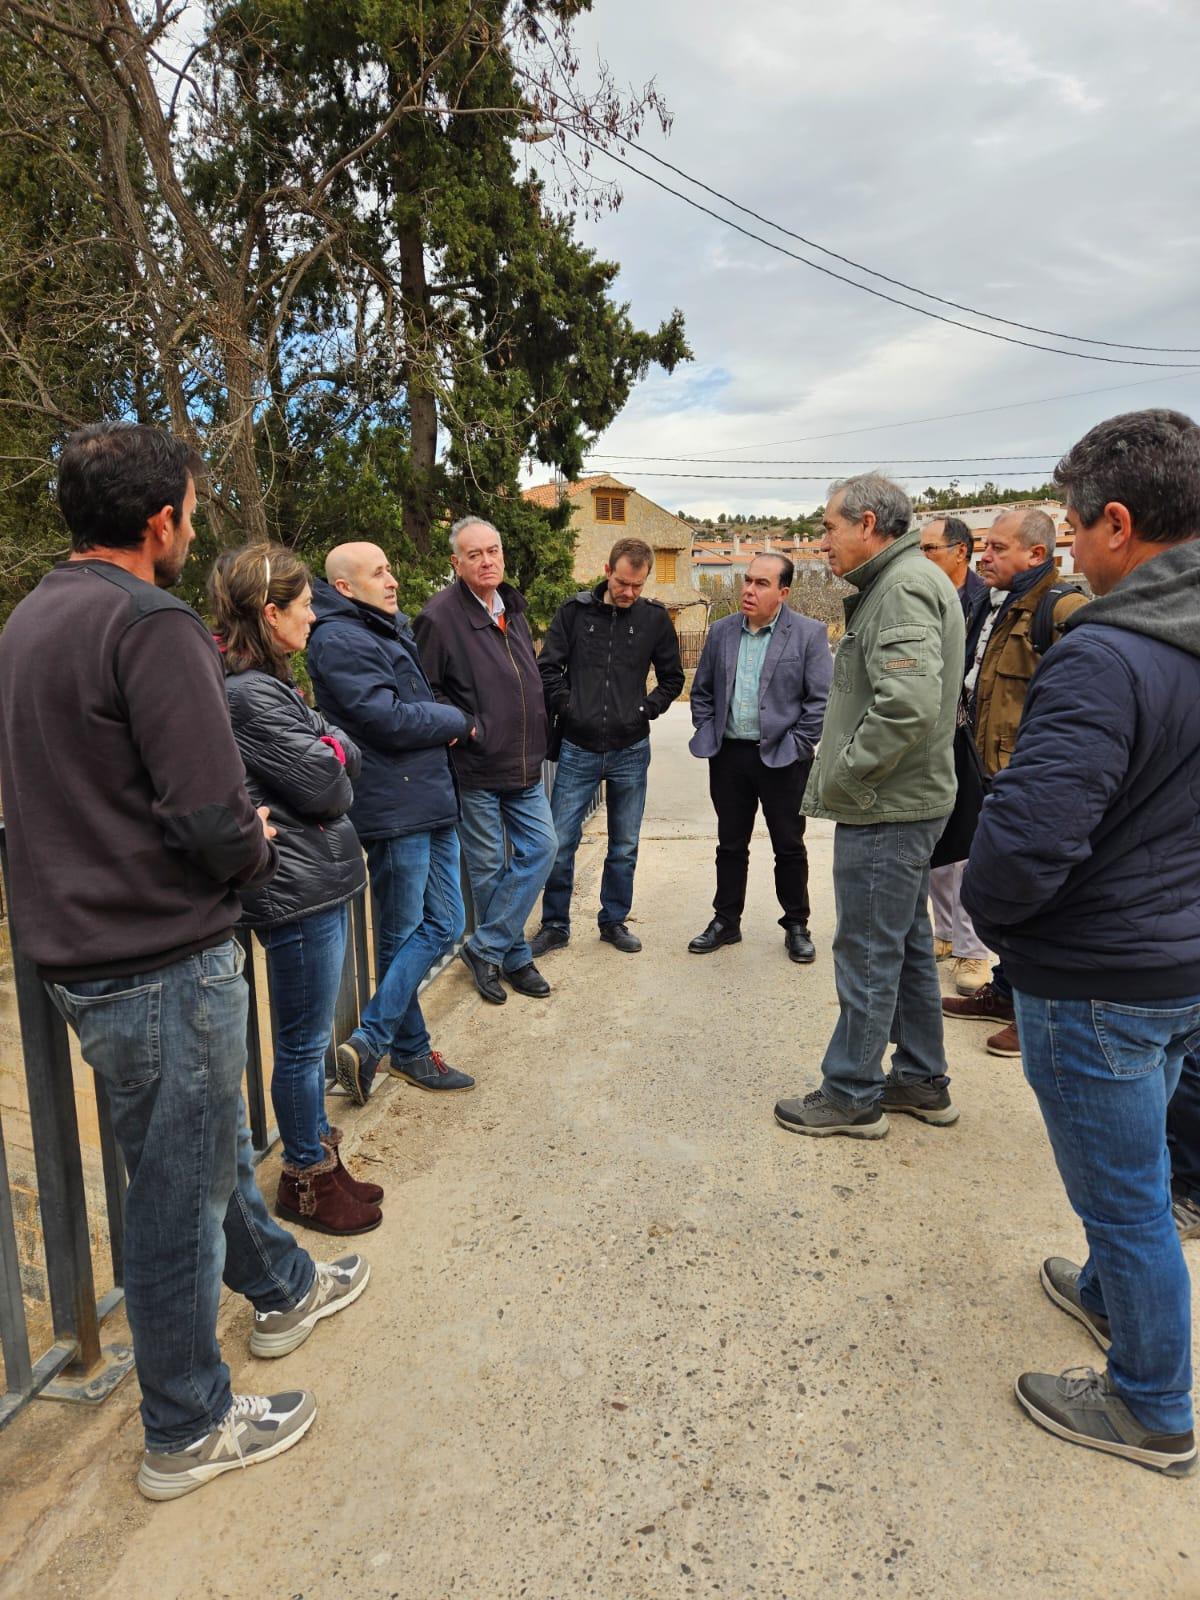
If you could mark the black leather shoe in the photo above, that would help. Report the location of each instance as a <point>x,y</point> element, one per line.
<point>798,945</point>
<point>619,936</point>
<point>547,938</point>
<point>528,980</point>
<point>486,975</point>
<point>714,936</point>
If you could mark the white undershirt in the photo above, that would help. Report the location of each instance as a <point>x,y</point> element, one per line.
<point>995,601</point>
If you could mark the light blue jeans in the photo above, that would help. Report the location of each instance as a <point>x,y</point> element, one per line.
<point>883,965</point>
<point>170,1048</point>
<point>505,883</point>
<point>1104,1073</point>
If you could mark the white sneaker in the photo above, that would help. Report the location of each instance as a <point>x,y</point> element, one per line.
<point>970,976</point>
<point>337,1284</point>
<point>255,1428</point>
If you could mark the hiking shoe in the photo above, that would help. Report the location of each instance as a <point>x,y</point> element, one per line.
<point>351,1060</point>
<point>818,1116</point>
<point>336,1285</point>
<point>943,949</point>
<point>1005,1043</point>
<point>255,1428</point>
<point>430,1071</point>
<point>1060,1279</point>
<point>619,936</point>
<point>985,1005</point>
<point>1187,1216</point>
<point>929,1101</point>
<point>547,938</point>
<point>1081,1406</point>
<point>971,975</point>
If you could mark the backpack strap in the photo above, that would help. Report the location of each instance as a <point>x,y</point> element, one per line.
<point>1041,628</point>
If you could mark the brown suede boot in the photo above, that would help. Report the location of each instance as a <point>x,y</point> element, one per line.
<point>369,1193</point>
<point>313,1197</point>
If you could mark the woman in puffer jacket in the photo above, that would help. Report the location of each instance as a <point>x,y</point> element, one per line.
<point>301,767</point>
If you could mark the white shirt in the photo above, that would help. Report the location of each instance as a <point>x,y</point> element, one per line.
<point>494,608</point>
<point>995,601</point>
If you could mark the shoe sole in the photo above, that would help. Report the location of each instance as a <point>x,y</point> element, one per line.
<point>167,1486</point>
<point>973,1016</point>
<point>861,1130</point>
<point>709,949</point>
<point>1072,1310</point>
<point>301,1221</point>
<point>1169,1466</point>
<point>936,1118</point>
<point>349,1078</point>
<point>1005,1055</point>
<point>430,1088</point>
<point>269,1347</point>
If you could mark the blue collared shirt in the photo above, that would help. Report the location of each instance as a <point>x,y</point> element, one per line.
<point>742,721</point>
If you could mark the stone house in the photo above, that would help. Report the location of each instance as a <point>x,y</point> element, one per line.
<point>603,510</point>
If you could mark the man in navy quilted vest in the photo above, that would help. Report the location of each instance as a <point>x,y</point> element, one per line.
<point>1085,878</point>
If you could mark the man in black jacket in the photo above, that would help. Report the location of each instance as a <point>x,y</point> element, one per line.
<point>131,833</point>
<point>477,651</point>
<point>594,664</point>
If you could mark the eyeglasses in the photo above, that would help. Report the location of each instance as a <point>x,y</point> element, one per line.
<point>926,548</point>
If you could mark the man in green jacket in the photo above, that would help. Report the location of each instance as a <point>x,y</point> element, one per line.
<point>885,774</point>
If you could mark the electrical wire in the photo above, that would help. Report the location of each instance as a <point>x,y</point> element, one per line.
<point>822,461</point>
<point>879,294</point>
<point>819,477</point>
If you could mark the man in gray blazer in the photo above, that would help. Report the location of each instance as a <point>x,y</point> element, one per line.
<point>757,705</point>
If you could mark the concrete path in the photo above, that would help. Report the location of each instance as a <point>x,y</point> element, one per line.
<point>627,1338</point>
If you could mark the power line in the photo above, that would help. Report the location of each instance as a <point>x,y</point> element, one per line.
<point>879,294</point>
<point>953,416</point>
<point>822,477</point>
<point>823,461</point>
<point>899,283</point>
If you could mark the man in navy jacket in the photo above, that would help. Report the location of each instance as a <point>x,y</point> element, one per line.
<point>368,679</point>
<point>1085,878</point>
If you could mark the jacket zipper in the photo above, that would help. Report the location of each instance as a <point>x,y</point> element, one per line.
<point>524,717</point>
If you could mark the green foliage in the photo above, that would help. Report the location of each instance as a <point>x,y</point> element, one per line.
<point>952,498</point>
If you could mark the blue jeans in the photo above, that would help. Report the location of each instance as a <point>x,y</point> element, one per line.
<point>419,904</point>
<point>579,771</point>
<point>1104,1073</point>
<point>505,883</point>
<point>304,963</point>
<point>883,963</point>
<point>170,1048</point>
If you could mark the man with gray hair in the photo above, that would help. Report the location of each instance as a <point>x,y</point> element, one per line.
<point>1018,564</point>
<point>476,647</point>
<point>884,773</point>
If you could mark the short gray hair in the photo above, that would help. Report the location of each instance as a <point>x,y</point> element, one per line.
<point>871,491</point>
<point>469,522</point>
<point>1033,527</point>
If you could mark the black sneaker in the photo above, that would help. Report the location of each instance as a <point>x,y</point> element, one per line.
<point>547,938</point>
<point>619,936</point>
<point>1060,1279</point>
<point>818,1116</point>
<point>930,1102</point>
<point>1081,1407</point>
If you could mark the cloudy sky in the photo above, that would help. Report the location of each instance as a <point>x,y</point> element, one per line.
<point>1035,159</point>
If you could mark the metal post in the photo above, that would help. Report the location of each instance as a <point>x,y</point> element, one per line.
<point>14,1336</point>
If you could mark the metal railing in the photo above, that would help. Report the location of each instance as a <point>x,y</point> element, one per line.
<point>76,1366</point>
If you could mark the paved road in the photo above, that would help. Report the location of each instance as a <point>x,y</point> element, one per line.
<point>626,1338</point>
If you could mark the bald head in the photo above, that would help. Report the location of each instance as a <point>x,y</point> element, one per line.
<point>1016,542</point>
<point>361,572</point>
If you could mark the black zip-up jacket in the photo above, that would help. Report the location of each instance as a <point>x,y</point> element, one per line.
<point>293,765</point>
<point>491,674</point>
<point>130,829</point>
<point>594,666</point>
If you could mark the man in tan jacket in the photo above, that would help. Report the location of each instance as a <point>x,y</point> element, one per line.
<point>1017,561</point>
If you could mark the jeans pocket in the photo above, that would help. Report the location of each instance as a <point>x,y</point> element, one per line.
<point>1133,1037</point>
<point>221,964</point>
<point>119,1032</point>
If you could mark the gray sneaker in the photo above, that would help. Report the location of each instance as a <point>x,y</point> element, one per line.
<point>819,1117</point>
<point>1187,1216</point>
<point>336,1285</point>
<point>255,1428</point>
<point>1060,1279</point>
<point>1081,1406</point>
<point>925,1100</point>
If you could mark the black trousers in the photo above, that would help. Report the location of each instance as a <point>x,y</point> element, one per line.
<point>1183,1132</point>
<point>739,783</point>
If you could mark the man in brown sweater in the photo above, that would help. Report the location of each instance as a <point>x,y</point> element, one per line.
<point>130,833</point>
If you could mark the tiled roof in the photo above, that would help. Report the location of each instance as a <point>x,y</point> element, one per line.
<point>547,495</point>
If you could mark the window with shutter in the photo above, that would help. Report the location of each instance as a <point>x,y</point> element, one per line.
<point>618,508</point>
<point>664,566</point>
<point>603,508</point>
